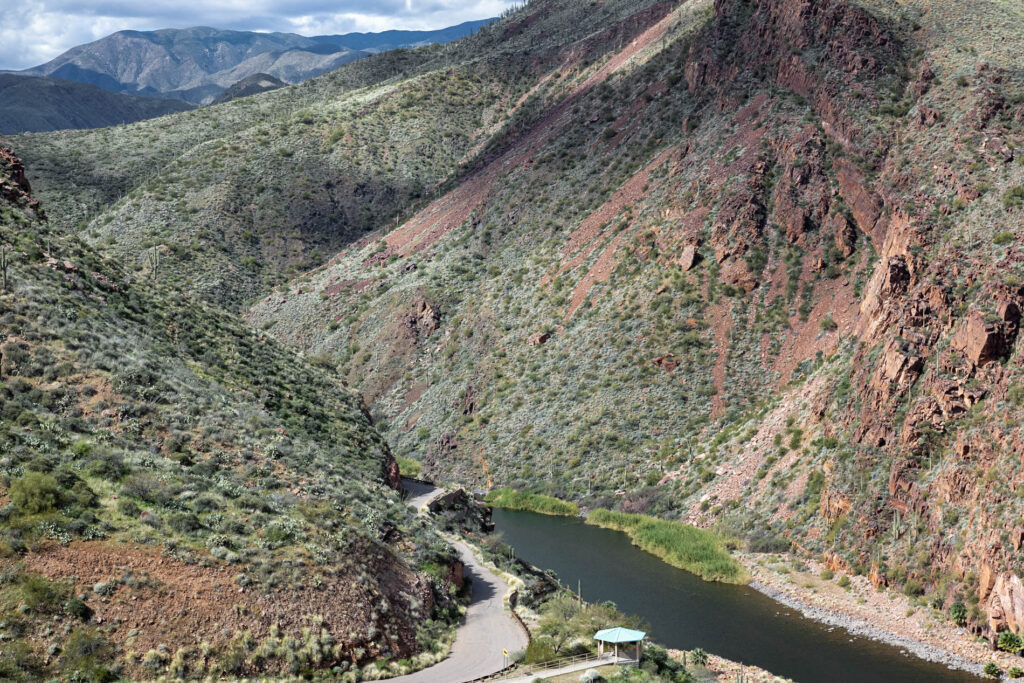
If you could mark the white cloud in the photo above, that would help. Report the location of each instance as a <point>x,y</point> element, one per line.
<point>35,31</point>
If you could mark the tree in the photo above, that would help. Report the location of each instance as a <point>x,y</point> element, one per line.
<point>35,493</point>
<point>958,614</point>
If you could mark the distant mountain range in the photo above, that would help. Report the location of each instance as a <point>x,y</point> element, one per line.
<point>30,104</point>
<point>198,64</point>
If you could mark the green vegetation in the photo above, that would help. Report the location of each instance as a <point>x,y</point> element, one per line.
<point>532,502</point>
<point>409,467</point>
<point>992,670</point>
<point>1010,642</point>
<point>163,425</point>
<point>699,551</point>
<point>958,613</point>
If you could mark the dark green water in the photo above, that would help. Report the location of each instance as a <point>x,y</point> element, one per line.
<point>686,612</point>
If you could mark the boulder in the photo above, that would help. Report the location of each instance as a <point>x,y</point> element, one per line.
<point>689,257</point>
<point>666,362</point>
<point>981,340</point>
<point>928,117</point>
<point>1006,603</point>
<point>538,338</point>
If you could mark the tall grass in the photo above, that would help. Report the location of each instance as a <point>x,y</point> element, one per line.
<point>533,502</point>
<point>696,550</point>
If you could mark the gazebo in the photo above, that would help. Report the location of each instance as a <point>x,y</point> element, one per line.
<point>620,636</point>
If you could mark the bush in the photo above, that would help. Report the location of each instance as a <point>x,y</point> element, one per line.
<point>1002,238</point>
<point>827,324</point>
<point>826,574</point>
<point>699,657</point>
<point>538,652</point>
<point>1013,198</point>
<point>992,670</point>
<point>84,651</point>
<point>35,493</point>
<point>1010,642</point>
<point>958,614</point>
<point>844,581</point>
<point>1015,672</point>
<point>79,609</point>
<point>913,588</point>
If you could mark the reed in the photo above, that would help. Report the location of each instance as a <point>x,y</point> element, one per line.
<point>699,551</point>
<point>532,502</point>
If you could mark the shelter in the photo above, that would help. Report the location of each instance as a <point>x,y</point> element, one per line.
<point>620,636</point>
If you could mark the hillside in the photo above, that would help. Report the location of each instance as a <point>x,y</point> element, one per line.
<point>178,493</point>
<point>250,85</point>
<point>197,64</point>
<point>30,104</point>
<point>751,265</point>
<point>250,193</point>
<point>757,269</point>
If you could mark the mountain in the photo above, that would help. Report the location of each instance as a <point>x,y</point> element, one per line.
<point>749,264</point>
<point>179,492</point>
<point>197,64</point>
<point>44,104</point>
<point>250,85</point>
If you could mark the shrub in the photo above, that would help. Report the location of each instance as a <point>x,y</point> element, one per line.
<point>539,651</point>
<point>84,650</point>
<point>699,657</point>
<point>1010,642</point>
<point>958,614</point>
<point>127,507</point>
<point>35,493</point>
<point>79,609</point>
<point>1013,198</point>
<point>827,324</point>
<point>992,670</point>
<point>1015,672</point>
<point>826,574</point>
<point>913,588</point>
<point>1002,238</point>
<point>844,581</point>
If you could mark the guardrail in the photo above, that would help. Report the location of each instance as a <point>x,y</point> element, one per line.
<point>568,661</point>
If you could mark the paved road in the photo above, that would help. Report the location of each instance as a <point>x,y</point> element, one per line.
<point>420,495</point>
<point>487,628</point>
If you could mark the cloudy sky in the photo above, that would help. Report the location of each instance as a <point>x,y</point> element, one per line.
<point>36,31</point>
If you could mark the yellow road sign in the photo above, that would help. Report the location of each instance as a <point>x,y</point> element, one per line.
<point>505,652</point>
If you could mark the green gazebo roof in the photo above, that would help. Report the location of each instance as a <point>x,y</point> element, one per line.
<point>619,635</point>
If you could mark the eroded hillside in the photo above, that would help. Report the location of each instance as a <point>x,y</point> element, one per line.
<point>179,494</point>
<point>751,264</point>
<point>757,267</point>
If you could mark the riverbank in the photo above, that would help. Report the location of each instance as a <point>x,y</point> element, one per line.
<point>728,671</point>
<point>511,499</point>
<point>681,545</point>
<point>886,616</point>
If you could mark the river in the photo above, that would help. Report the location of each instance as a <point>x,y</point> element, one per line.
<point>686,612</point>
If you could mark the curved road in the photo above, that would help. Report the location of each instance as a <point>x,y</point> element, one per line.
<point>487,627</point>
